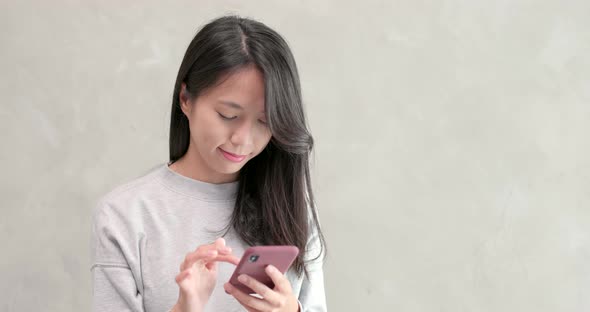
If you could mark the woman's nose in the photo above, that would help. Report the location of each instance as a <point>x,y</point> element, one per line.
<point>242,135</point>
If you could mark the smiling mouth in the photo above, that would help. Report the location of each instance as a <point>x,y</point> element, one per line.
<point>232,157</point>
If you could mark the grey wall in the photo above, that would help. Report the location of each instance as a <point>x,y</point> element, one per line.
<point>452,164</point>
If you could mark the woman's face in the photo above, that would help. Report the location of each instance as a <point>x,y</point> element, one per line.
<point>227,125</point>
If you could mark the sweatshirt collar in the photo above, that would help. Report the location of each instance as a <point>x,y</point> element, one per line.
<point>196,188</point>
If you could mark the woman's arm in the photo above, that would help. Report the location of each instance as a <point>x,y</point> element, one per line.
<point>312,296</point>
<point>115,287</point>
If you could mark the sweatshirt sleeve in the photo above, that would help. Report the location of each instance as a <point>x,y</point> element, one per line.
<point>312,297</point>
<point>116,284</point>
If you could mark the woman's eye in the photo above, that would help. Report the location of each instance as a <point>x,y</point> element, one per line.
<point>227,118</point>
<point>262,122</point>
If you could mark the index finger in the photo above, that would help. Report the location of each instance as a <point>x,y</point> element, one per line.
<point>208,253</point>
<point>227,258</point>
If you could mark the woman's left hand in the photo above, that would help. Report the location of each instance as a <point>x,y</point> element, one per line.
<point>279,299</point>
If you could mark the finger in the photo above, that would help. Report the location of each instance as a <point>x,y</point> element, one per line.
<point>228,258</point>
<point>226,250</point>
<point>268,294</point>
<point>209,261</point>
<point>186,272</point>
<point>211,266</point>
<point>204,251</point>
<point>207,251</point>
<point>281,282</point>
<point>221,258</point>
<point>185,280</point>
<point>200,253</point>
<point>220,242</point>
<point>246,300</point>
<point>221,247</point>
<point>181,276</point>
<point>184,276</point>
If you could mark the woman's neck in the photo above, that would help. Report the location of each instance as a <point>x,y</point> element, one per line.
<point>192,165</point>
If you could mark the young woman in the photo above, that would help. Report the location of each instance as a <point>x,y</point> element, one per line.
<point>238,176</point>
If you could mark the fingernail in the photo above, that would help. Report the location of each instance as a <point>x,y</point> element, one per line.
<point>271,268</point>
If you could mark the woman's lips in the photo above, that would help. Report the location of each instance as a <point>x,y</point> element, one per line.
<point>232,157</point>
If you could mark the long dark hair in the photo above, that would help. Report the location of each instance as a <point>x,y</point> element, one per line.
<point>275,202</point>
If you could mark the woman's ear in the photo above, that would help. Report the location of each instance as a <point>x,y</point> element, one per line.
<point>184,98</point>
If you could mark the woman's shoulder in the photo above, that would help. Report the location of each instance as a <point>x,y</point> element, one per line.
<point>132,190</point>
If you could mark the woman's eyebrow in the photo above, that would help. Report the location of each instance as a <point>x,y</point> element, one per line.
<point>231,104</point>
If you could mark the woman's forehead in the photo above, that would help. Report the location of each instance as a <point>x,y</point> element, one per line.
<point>242,90</point>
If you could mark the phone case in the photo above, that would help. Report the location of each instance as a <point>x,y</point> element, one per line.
<point>279,256</point>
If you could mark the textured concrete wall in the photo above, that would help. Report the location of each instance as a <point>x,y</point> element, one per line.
<point>452,166</point>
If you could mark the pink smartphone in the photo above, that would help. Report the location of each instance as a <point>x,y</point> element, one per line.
<point>255,260</point>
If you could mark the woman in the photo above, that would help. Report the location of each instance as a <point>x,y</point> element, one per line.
<point>238,176</point>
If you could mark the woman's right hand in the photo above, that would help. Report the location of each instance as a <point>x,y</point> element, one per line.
<point>198,275</point>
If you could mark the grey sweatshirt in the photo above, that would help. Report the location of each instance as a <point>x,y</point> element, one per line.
<point>142,230</point>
